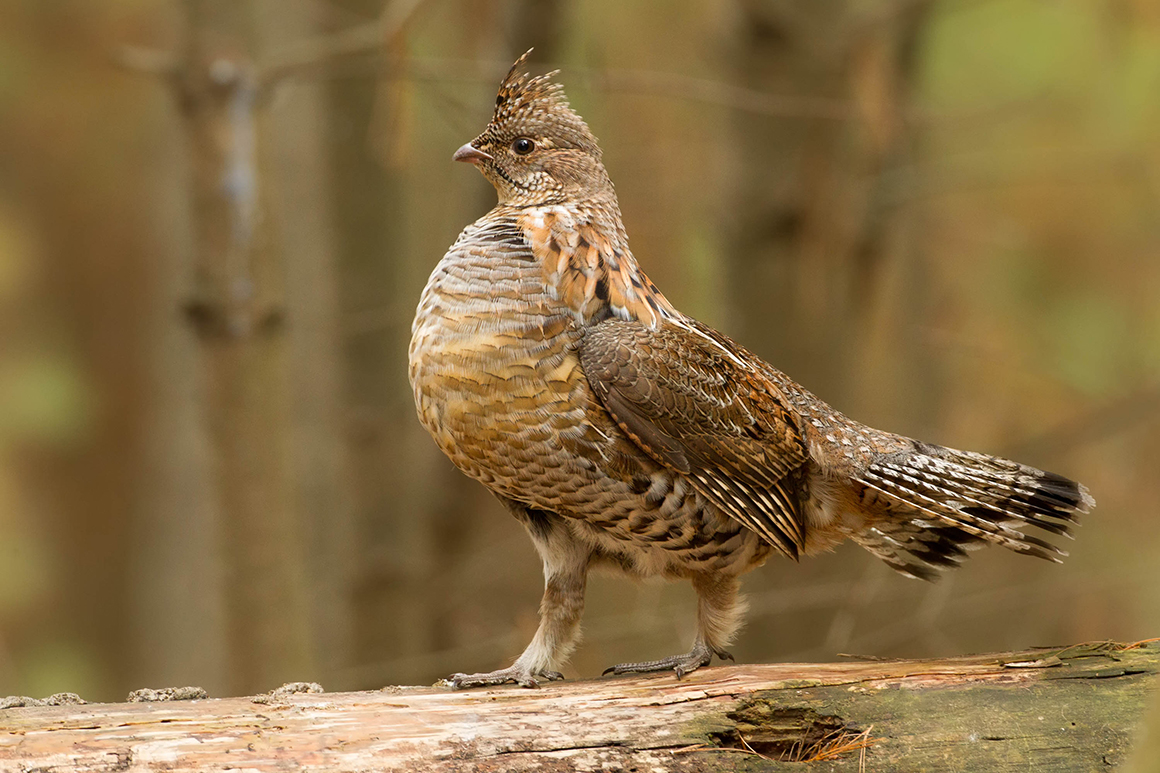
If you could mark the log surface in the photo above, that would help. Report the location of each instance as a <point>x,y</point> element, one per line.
<point>1072,709</point>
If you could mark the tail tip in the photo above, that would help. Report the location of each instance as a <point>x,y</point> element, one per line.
<point>1087,502</point>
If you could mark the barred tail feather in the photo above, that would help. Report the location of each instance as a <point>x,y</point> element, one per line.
<point>940,503</point>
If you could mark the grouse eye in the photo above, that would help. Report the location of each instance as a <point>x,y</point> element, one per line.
<point>523,146</point>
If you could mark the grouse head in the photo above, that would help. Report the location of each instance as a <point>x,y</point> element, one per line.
<point>536,150</point>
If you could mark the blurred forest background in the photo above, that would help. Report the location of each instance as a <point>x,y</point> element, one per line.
<point>216,216</point>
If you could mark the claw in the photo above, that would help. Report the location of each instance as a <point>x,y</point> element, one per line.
<point>681,665</point>
<point>512,675</point>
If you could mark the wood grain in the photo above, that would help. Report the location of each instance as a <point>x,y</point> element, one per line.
<point>1073,709</point>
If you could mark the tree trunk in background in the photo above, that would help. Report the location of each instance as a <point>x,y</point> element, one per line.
<point>396,606</point>
<point>819,247</point>
<point>825,279</point>
<point>178,591</point>
<point>368,206</point>
<point>296,188</point>
<point>237,311</point>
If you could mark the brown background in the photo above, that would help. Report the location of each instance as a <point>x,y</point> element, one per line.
<point>943,216</point>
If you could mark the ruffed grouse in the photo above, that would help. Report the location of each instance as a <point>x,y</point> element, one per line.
<point>618,430</point>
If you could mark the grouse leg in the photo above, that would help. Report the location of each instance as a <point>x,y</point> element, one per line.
<point>565,576</point>
<point>719,611</point>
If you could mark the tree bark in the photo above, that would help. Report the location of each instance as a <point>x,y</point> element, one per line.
<point>1072,709</point>
<point>237,312</point>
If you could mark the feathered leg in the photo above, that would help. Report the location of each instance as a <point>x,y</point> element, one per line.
<point>719,612</point>
<point>565,576</point>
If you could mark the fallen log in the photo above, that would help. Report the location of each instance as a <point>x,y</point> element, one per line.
<point>1070,709</point>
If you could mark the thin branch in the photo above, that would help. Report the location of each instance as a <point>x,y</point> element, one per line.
<point>719,93</point>
<point>373,37</point>
<point>652,82</point>
<point>649,82</point>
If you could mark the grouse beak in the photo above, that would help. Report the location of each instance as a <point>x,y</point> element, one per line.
<point>470,153</point>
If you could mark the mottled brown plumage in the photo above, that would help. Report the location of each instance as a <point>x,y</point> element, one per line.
<point>547,366</point>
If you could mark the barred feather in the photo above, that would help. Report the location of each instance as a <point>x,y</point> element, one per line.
<point>944,502</point>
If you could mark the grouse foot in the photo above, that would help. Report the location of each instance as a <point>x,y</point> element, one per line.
<point>524,677</point>
<point>699,656</point>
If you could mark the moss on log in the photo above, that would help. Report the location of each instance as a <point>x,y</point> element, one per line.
<point>1072,709</point>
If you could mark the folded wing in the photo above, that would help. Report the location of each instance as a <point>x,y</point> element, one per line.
<point>695,403</point>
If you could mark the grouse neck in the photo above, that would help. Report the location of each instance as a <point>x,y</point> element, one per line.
<point>586,265</point>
